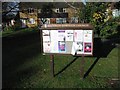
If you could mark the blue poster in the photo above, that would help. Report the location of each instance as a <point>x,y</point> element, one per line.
<point>61,46</point>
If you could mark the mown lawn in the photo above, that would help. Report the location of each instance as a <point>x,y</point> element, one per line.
<point>25,67</point>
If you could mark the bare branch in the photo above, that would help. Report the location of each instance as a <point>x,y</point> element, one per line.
<point>6,12</point>
<point>70,4</point>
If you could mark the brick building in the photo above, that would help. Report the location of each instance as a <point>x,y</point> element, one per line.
<point>34,13</point>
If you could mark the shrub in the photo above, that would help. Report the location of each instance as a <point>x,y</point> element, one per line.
<point>108,30</point>
<point>100,16</point>
<point>8,28</point>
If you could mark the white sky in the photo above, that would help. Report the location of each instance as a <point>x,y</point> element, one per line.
<point>60,0</point>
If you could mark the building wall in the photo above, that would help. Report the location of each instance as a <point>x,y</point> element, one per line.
<point>31,18</point>
<point>71,13</point>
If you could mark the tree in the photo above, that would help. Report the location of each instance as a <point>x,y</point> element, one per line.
<point>96,14</point>
<point>46,10</point>
<point>117,5</point>
<point>9,10</point>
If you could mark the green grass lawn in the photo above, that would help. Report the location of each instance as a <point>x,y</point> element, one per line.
<point>25,67</point>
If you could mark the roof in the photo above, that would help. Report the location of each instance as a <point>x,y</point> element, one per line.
<point>53,15</point>
<point>39,5</point>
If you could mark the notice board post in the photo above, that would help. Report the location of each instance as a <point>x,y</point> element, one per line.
<point>82,67</point>
<point>67,39</point>
<point>52,64</point>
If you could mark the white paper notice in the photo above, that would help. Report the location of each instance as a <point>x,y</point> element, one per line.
<point>46,32</point>
<point>87,35</point>
<point>73,49</point>
<point>54,35</point>
<point>77,48</point>
<point>54,47</point>
<point>46,47</point>
<point>78,35</point>
<point>61,35</point>
<point>69,35</point>
<point>46,38</point>
<point>46,35</point>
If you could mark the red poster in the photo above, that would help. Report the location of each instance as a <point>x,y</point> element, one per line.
<point>87,47</point>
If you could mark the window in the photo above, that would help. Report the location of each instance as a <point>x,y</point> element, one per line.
<point>31,21</point>
<point>57,20</point>
<point>60,20</point>
<point>64,10</point>
<point>39,10</point>
<point>64,20</point>
<point>116,13</point>
<point>57,10</point>
<point>30,10</point>
<point>60,10</point>
<point>48,21</point>
<point>23,23</point>
<point>74,19</point>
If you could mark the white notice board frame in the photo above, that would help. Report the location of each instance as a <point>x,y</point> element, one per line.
<point>58,39</point>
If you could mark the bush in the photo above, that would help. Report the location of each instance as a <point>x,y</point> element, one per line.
<point>100,16</point>
<point>108,30</point>
<point>104,24</point>
<point>8,28</point>
<point>17,26</point>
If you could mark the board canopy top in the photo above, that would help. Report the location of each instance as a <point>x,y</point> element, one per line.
<point>83,26</point>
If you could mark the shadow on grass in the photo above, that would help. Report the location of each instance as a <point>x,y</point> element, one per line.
<point>91,67</point>
<point>101,49</point>
<point>67,66</point>
<point>16,50</point>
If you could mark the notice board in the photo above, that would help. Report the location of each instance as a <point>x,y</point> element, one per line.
<point>67,41</point>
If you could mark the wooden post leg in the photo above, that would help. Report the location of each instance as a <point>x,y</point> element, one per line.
<point>82,67</point>
<point>52,64</point>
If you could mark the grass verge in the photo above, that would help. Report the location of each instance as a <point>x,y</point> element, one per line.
<point>25,67</point>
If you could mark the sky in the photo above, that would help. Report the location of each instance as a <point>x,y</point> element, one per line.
<point>60,0</point>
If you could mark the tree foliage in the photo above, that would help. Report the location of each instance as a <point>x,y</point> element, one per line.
<point>117,5</point>
<point>99,15</point>
<point>46,10</point>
